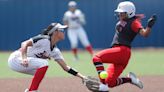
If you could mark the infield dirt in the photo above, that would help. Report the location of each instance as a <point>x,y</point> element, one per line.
<point>73,84</point>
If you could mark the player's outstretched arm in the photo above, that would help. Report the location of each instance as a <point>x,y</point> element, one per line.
<point>70,70</point>
<point>90,82</point>
<point>150,23</point>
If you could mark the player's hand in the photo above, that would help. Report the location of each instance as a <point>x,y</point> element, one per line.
<point>24,62</point>
<point>152,20</point>
<point>91,83</point>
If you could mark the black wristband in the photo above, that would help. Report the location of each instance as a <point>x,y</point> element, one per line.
<point>72,71</point>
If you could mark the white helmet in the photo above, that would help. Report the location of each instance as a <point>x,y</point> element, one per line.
<point>72,4</point>
<point>127,7</point>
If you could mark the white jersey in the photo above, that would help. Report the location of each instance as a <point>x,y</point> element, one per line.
<point>42,49</point>
<point>74,19</point>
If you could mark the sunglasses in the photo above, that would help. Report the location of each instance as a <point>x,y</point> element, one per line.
<point>61,30</point>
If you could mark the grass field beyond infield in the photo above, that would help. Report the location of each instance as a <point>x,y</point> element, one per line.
<point>142,62</point>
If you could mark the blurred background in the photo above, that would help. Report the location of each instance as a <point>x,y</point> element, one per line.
<point>21,19</point>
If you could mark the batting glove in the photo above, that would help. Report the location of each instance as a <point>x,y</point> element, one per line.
<point>151,21</point>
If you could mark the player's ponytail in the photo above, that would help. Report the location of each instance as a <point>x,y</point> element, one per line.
<point>44,32</point>
<point>47,30</point>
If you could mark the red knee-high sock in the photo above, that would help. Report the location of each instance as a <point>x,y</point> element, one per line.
<point>74,50</point>
<point>99,67</point>
<point>89,49</point>
<point>39,75</point>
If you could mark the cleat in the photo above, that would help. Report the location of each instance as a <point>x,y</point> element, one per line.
<point>103,88</point>
<point>135,80</point>
<point>27,90</point>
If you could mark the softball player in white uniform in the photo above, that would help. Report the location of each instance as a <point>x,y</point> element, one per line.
<point>75,20</point>
<point>32,57</point>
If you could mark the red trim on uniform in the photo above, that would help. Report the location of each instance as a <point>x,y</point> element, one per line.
<point>136,25</point>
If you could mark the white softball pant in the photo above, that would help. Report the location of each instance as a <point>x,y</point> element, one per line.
<point>14,62</point>
<point>75,34</point>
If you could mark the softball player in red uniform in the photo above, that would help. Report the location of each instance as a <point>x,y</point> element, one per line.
<point>32,57</point>
<point>75,20</point>
<point>117,57</point>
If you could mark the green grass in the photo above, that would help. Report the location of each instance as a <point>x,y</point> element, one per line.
<point>147,62</point>
<point>142,62</point>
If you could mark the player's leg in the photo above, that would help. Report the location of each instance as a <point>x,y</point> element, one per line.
<point>108,54</point>
<point>36,67</point>
<point>72,36</point>
<point>84,40</point>
<point>37,78</point>
<point>114,72</point>
<point>114,55</point>
<point>99,67</point>
<point>113,79</point>
<point>41,68</point>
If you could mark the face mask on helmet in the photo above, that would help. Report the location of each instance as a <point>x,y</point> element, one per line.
<point>127,7</point>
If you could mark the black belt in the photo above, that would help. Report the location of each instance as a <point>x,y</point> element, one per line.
<point>115,45</point>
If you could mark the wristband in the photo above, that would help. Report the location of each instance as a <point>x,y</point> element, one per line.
<point>72,71</point>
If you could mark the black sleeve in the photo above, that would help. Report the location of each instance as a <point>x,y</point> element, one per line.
<point>39,37</point>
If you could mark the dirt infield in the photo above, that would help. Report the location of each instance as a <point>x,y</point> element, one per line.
<point>72,84</point>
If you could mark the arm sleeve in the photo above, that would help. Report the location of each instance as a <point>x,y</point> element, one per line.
<point>57,55</point>
<point>136,25</point>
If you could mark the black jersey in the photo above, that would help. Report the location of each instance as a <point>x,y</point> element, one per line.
<point>125,32</point>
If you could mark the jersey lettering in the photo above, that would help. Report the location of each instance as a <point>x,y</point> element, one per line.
<point>43,55</point>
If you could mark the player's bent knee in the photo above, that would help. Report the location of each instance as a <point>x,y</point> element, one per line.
<point>43,63</point>
<point>96,59</point>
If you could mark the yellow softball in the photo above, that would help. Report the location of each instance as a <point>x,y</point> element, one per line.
<point>103,75</point>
